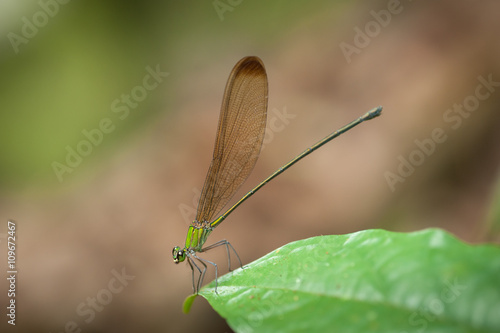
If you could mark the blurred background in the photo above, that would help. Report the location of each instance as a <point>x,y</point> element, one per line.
<point>108,113</point>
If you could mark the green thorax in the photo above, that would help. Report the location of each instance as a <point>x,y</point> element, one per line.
<point>197,236</point>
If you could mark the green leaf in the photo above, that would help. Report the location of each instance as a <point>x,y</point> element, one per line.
<point>370,281</point>
<point>188,302</point>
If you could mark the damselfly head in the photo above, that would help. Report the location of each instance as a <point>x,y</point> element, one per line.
<point>178,254</point>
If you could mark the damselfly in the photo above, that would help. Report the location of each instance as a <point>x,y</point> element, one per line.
<point>240,133</point>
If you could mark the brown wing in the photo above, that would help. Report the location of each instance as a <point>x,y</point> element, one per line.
<point>242,123</point>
